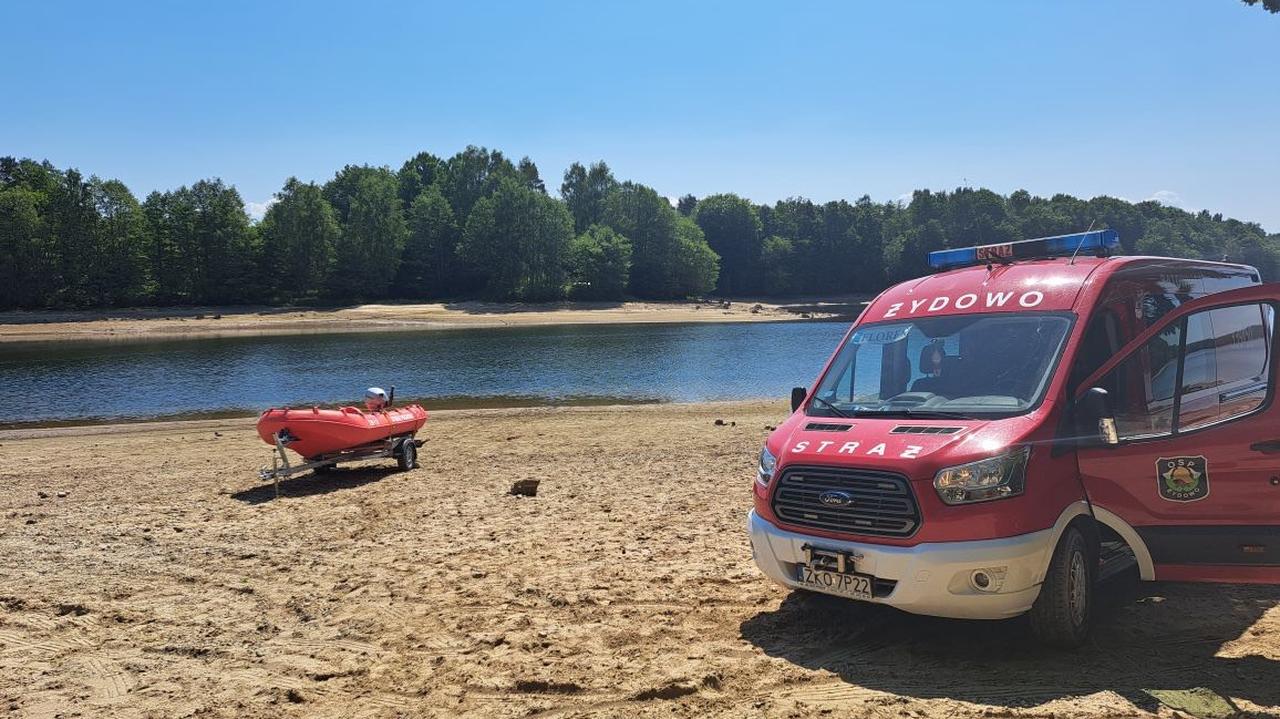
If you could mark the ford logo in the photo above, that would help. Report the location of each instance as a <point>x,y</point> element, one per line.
<point>835,499</point>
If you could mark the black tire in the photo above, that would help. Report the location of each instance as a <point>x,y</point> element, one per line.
<point>1063,613</point>
<point>407,458</point>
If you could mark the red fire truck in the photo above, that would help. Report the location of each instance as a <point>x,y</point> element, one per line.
<point>994,439</point>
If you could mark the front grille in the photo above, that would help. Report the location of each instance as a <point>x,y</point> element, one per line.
<point>882,503</point>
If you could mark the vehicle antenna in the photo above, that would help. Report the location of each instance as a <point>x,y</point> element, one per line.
<point>1081,243</point>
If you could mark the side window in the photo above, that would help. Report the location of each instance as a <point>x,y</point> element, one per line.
<point>1220,371</point>
<point>1146,380</point>
<point>1225,371</point>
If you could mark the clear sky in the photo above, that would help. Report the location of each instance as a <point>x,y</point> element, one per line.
<point>1173,99</point>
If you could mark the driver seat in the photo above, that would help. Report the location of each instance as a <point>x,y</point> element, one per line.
<point>933,358</point>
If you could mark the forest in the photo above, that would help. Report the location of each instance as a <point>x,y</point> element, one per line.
<point>479,225</point>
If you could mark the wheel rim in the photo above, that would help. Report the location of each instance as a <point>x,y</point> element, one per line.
<point>1078,589</point>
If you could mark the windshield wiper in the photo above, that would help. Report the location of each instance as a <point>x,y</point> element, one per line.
<point>839,412</point>
<point>912,414</point>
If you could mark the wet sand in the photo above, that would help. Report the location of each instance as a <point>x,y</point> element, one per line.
<point>147,573</point>
<point>193,322</point>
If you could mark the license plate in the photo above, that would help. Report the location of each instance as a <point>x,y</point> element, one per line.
<point>854,586</point>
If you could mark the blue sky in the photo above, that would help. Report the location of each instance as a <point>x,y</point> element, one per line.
<point>1174,99</point>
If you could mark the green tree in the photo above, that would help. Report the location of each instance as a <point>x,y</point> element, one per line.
<point>776,257</point>
<point>373,232</point>
<point>227,248</point>
<point>430,267</point>
<point>299,234</point>
<point>696,266</point>
<point>732,228</point>
<point>73,219</point>
<point>121,274</point>
<point>586,192</point>
<point>170,226</point>
<point>417,174</point>
<point>520,237</point>
<point>529,172</point>
<point>600,264</point>
<point>686,205</point>
<point>1272,6</point>
<point>25,269</point>
<point>472,174</point>
<point>30,264</point>
<point>646,218</point>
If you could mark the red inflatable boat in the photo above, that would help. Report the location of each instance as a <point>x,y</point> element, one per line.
<point>315,432</point>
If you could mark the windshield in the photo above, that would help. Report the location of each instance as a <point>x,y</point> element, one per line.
<point>961,365</point>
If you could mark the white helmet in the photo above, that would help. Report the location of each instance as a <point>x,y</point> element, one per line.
<point>375,398</point>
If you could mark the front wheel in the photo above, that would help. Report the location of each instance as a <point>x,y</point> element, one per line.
<point>408,457</point>
<point>1063,613</point>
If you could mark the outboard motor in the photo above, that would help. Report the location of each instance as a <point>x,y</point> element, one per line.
<point>375,399</point>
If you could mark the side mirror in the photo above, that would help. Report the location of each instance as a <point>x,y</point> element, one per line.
<point>1095,416</point>
<point>798,396</point>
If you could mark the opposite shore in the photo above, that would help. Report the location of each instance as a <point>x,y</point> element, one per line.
<point>202,322</point>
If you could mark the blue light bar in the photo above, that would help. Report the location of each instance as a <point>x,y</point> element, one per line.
<point>1058,246</point>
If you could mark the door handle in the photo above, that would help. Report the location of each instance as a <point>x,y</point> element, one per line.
<point>1271,446</point>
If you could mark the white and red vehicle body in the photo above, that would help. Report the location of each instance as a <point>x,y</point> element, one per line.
<point>1193,494</point>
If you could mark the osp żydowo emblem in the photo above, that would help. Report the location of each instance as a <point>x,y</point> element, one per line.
<point>1182,479</point>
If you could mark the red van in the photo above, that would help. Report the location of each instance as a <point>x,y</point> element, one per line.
<point>994,439</point>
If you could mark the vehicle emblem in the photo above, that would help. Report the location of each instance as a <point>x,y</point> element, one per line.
<point>1182,479</point>
<point>835,499</point>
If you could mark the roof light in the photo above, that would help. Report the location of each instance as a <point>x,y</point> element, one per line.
<point>1058,246</point>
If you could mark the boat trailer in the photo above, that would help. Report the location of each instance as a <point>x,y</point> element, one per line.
<point>404,448</point>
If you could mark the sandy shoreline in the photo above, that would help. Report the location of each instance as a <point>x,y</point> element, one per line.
<point>193,322</point>
<point>148,573</point>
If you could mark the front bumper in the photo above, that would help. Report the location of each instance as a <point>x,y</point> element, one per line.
<point>934,578</point>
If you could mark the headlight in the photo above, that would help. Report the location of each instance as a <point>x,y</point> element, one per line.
<point>994,478</point>
<point>768,464</point>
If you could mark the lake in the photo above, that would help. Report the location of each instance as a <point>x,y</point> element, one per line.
<point>47,382</point>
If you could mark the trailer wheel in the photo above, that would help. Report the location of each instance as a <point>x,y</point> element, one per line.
<point>408,456</point>
<point>1063,613</point>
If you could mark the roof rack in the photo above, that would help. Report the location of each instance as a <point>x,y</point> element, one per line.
<point>1100,242</point>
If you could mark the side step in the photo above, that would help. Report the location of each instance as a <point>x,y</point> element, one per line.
<point>1114,558</point>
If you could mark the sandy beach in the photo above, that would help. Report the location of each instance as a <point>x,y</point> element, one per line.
<point>147,573</point>
<point>193,322</point>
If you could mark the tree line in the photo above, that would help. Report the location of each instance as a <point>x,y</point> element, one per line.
<point>479,225</point>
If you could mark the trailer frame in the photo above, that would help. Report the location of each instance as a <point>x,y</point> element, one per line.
<point>403,447</point>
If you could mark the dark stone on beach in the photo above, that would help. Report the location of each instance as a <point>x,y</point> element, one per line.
<point>719,422</point>
<point>525,488</point>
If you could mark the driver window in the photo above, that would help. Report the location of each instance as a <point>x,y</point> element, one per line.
<point>1149,375</point>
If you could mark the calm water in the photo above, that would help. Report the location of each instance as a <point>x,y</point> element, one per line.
<point>690,362</point>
